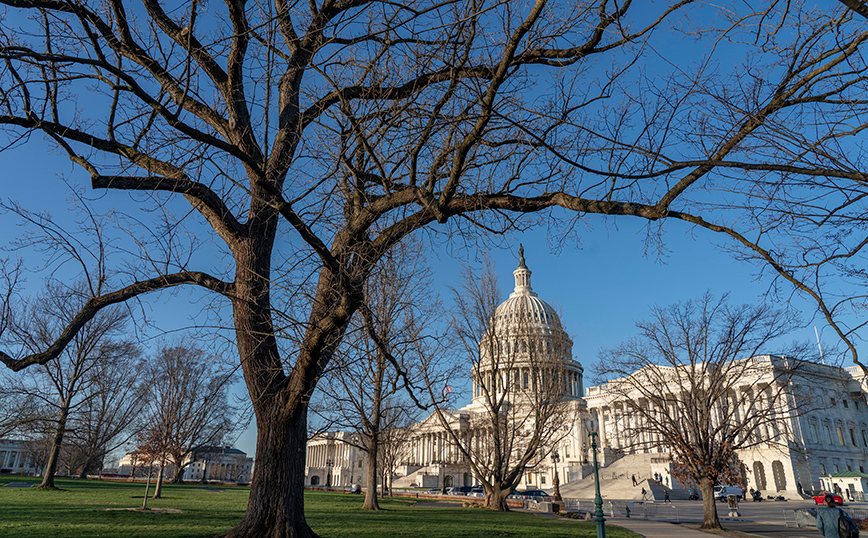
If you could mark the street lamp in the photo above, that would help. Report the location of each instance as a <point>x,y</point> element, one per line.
<point>591,426</point>
<point>329,464</point>
<point>555,459</point>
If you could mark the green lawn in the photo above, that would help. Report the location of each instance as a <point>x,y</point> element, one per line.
<point>80,510</point>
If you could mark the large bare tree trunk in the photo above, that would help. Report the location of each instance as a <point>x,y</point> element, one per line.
<point>56,445</point>
<point>709,519</point>
<point>276,505</point>
<point>497,499</point>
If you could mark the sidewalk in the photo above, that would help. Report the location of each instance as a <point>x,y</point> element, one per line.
<point>662,529</point>
<point>657,529</point>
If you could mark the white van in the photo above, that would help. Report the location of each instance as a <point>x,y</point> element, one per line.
<point>722,492</point>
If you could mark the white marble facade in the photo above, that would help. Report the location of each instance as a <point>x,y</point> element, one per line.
<point>800,449</point>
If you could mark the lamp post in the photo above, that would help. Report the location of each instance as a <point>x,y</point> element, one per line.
<point>329,464</point>
<point>555,459</point>
<point>591,427</point>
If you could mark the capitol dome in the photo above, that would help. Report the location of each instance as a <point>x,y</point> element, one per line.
<point>524,345</point>
<point>524,307</point>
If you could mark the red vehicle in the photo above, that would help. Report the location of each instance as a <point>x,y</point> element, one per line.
<point>819,499</point>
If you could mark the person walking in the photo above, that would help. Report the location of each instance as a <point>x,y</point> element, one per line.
<point>634,480</point>
<point>666,497</point>
<point>827,518</point>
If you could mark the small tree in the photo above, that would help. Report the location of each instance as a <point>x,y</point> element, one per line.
<point>115,398</point>
<point>65,384</point>
<point>378,364</point>
<point>682,380</point>
<point>186,408</point>
<point>518,378</point>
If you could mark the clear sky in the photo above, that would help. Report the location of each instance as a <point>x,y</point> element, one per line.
<point>601,287</point>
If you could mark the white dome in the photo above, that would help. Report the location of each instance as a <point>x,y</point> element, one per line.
<point>523,344</point>
<point>524,308</point>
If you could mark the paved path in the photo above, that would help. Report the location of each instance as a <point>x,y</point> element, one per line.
<point>661,529</point>
<point>657,529</point>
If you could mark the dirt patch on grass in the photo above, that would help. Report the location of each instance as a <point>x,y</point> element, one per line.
<point>151,510</point>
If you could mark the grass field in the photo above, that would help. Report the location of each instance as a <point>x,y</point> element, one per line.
<point>96,509</point>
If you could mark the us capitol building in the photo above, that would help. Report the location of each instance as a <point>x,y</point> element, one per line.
<point>801,450</point>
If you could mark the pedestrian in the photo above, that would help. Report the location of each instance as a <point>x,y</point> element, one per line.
<point>634,480</point>
<point>644,493</point>
<point>827,518</point>
<point>847,491</point>
<point>666,497</point>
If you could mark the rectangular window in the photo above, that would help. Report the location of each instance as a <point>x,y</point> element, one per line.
<point>828,435</point>
<point>846,405</point>
<point>853,436</point>
<point>814,437</point>
<point>840,435</point>
<point>822,468</point>
<point>864,438</point>
<point>835,466</point>
<point>542,479</point>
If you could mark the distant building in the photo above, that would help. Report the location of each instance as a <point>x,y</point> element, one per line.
<point>212,463</point>
<point>334,459</point>
<point>16,457</point>
<point>797,448</point>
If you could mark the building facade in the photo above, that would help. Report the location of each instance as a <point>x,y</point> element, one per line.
<point>17,457</point>
<point>206,464</point>
<point>798,447</point>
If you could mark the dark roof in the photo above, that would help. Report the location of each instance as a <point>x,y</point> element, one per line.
<point>219,450</point>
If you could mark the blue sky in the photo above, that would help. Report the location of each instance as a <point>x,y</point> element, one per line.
<point>602,286</point>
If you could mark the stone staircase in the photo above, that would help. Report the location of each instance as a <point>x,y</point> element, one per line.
<point>616,482</point>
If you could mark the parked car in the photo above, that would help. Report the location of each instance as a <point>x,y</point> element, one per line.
<point>533,495</point>
<point>356,488</point>
<point>432,491</point>
<point>820,498</point>
<point>462,490</point>
<point>476,492</point>
<point>722,492</point>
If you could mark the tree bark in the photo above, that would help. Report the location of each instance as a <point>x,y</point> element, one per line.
<point>371,474</point>
<point>709,508</point>
<point>497,499</point>
<point>158,487</point>
<point>56,445</point>
<point>276,505</point>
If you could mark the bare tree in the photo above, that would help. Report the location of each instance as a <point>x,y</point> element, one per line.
<point>379,362</point>
<point>187,407</point>
<point>343,126</point>
<point>61,387</point>
<point>683,379</point>
<point>102,423</point>
<point>393,445</point>
<point>518,407</point>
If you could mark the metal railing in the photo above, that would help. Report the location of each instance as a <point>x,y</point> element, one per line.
<point>638,509</point>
